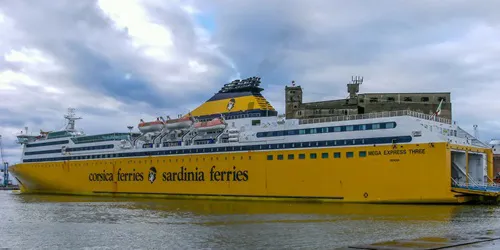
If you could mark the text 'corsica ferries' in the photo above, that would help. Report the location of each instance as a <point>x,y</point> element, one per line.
<point>236,145</point>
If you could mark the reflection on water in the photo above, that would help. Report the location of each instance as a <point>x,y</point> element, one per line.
<point>38,221</point>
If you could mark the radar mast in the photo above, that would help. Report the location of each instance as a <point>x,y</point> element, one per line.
<point>71,120</point>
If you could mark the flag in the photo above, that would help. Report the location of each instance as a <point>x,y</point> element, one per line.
<point>438,110</point>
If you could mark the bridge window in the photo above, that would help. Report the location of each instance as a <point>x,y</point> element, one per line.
<point>58,134</point>
<point>98,138</point>
<point>47,143</point>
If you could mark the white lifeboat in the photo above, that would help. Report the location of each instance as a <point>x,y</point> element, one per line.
<point>179,123</point>
<point>214,124</point>
<point>153,126</point>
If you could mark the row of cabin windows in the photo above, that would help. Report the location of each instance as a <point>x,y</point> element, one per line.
<point>315,156</point>
<point>47,143</point>
<point>324,155</point>
<point>373,126</point>
<point>54,151</point>
<point>312,144</point>
<point>191,159</point>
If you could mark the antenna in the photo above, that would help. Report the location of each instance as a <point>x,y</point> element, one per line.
<point>71,119</point>
<point>357,80</point>
<point>353,86</point>
<point>476,132</point>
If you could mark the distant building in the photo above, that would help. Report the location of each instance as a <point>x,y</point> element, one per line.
<point>426,103</point>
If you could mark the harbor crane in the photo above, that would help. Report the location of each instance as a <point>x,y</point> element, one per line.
<point>5,165</point>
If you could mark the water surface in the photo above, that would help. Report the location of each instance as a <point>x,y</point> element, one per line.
<point>77,222</point>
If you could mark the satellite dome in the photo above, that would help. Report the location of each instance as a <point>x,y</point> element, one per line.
<point>495,142</point>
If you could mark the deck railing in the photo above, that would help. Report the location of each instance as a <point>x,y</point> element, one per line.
<point>375,115</point>
<point>489,187</point>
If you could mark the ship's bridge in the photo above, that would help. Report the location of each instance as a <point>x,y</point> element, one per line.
<point>237,99</point>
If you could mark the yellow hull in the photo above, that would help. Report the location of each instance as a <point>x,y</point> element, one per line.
<point>409,173</point>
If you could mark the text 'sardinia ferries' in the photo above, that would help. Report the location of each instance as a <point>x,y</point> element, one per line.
<point>236,145</point>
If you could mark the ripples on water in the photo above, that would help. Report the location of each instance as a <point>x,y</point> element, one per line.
<point>70,222</point>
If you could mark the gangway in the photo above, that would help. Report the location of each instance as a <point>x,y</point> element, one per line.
<point>491,190</point>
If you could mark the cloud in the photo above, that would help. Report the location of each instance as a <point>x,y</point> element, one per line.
<point>114,62</point>
<point>119,61</point>
<point>397,46</point>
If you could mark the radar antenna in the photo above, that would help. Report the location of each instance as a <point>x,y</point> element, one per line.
<point>71,119</point>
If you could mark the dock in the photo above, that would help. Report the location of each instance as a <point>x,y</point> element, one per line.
<point>481,240</point>
<point>10,187</point>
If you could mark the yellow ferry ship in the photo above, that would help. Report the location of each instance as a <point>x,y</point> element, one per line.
<point>235,145</point>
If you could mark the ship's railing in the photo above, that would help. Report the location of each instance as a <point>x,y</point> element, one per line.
<point>375,115</point>
<point>461,133</point>
<point>490,187</point>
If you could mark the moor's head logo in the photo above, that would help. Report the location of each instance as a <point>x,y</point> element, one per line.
<point>230,104</point>
<point>152,174</point>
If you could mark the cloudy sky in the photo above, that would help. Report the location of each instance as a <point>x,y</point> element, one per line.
<point>117,61</point>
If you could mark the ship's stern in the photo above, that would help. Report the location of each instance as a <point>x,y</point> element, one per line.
<point>472,173</point>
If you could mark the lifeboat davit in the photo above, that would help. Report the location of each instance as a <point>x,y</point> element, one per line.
<point>180,123</point>
<point>153,126</point>
<point>214,124</point>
